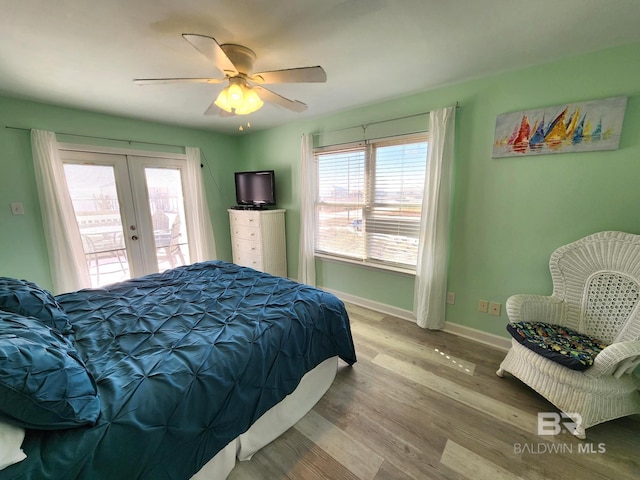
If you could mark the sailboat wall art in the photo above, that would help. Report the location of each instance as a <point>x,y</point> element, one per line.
<point>575,127</point>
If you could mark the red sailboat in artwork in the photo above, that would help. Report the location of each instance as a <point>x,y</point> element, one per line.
<point>521,140</point>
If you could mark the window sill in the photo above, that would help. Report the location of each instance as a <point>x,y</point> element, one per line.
<point>375,266</point>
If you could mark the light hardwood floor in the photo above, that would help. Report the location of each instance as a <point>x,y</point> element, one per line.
<point>427,405</point>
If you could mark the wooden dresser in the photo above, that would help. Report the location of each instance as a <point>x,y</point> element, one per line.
<point>258,240</point>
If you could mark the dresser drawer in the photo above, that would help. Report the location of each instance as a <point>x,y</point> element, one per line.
<point>247,259</point>
<point>243,232</point>
<point>246,219</point>
<point>246,246</point>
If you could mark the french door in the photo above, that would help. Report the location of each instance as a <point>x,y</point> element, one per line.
<point>130,211</point>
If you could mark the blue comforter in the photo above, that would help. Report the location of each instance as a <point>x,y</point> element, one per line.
<point>185,361</point>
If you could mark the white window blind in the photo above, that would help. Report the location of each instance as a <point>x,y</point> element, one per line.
<point>340,204</point>
<point>369,201</point>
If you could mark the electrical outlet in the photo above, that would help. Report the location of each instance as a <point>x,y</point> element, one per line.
<point>483,306</point>
<point>494,309</point>
<point>451,298</point>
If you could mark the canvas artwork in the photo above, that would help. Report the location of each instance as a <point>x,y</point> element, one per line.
<point>575,127</point>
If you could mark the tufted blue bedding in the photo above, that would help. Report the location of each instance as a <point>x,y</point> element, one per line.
<point>184,361</point>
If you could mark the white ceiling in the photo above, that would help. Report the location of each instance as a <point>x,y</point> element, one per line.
<point>85,53</point>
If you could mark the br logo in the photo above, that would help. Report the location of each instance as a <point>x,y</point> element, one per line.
<point>552,423</point>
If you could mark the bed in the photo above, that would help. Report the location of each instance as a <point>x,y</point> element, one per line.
<point>175,374</point>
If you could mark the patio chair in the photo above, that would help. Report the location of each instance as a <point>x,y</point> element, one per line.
<point>579,347</point>
<point>106,249</point>
<point>168,249</point>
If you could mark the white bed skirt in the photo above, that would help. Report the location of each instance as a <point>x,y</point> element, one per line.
<point>273,423</point>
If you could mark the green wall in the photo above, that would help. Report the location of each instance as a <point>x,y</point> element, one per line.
<point>509,214</point>
<point>22,247</point>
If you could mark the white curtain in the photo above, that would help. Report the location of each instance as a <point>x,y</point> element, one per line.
<point>431,271</point>
<point>306,261</point>
<point>202,245</point>
<point>68,265</point>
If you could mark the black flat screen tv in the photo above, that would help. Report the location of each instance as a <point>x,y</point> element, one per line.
<point>255,189</point>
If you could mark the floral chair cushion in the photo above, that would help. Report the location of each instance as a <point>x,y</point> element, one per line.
<point>567,347</point>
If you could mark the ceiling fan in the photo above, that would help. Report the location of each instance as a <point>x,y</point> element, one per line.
<point>244,93</point>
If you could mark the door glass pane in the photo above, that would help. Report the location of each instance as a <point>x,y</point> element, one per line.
<point>166,204</point>
<point>95,203</point>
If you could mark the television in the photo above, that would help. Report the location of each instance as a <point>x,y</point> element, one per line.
<point>255,189</point>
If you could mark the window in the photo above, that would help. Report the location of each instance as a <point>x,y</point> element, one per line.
<point>369,201</point>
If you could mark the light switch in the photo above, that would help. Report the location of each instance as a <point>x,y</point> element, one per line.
<point>17,208</point>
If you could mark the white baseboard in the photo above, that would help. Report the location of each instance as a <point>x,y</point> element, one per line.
<point>489,339</point>
<point>373,305</point>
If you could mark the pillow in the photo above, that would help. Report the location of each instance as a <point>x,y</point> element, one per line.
<point>28,299</point>
<point>43,382</point>
<point>562,345</point>
<point>11,438</point>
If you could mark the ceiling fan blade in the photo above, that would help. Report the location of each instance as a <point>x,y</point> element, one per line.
<point>216,110</point>
<point>269,96</point>
<point>212,50</point>
<point>154,81</point>
<point>292,75</point>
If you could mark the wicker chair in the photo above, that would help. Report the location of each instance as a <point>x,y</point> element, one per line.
<point>596,291</point>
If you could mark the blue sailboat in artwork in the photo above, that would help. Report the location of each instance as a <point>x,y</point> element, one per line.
<point>595,136</point>
<point>537,139</point>
<point>577,135</point>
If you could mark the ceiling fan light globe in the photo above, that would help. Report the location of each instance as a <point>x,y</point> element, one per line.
<point>251,103</point>
<point>235,96</point>
<point>223,100</point>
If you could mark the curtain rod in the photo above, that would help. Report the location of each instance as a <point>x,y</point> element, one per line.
<point>101,138</point>
<point>365,126</point>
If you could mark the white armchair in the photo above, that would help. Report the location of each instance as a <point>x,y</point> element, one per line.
<point>596,291</point>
